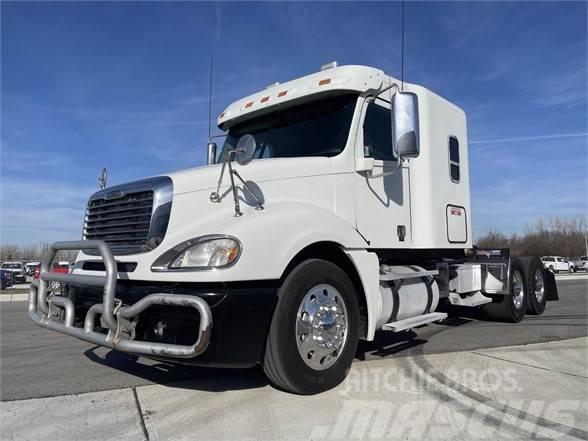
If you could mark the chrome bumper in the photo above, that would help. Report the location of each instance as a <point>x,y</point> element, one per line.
<point>46,309</point>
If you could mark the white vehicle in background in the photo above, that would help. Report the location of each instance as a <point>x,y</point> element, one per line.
<point>30,267</point>
<point>340,208</point>
<point>555,264</point>
<point>579,263</point>
<point>17,271</point>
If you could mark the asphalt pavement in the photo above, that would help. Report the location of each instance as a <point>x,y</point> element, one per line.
<point>40,363</point>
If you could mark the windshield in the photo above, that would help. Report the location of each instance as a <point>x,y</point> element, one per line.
<point>12,266</point>
<point>318,128</point>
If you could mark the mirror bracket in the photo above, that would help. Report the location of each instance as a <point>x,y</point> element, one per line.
<point>364,164</point>
<point>242,154</point>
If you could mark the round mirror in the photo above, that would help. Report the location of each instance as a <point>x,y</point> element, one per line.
<point>245,149</point>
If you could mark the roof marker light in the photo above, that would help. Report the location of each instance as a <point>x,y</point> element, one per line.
<point>249,104</point>
<point>264,99</point>
<point>330,65</point>
<point>282,93</point>
<point>325,81</point>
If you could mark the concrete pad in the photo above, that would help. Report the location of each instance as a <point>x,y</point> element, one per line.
<point>477,395</point>
<point>444,396</point>
<point>14,297</point>
<point>92,416</point>
<point>567,356</point>
<point>530,397</point>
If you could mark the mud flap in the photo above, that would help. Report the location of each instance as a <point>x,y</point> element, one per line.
<point>550,285</point>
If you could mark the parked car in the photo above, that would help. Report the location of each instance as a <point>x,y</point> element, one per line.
<point>30,268</point>
<point>17,271</point>
<point>5,279</point>
<point>556,264</point>
<point>579,263</point>
<point>59,267</point>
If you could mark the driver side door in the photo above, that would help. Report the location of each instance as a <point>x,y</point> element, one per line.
<point>382,195</point>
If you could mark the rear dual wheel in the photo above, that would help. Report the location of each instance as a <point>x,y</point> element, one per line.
<point>314,331</point>
<point>511,308</point>
<point>536,292</point>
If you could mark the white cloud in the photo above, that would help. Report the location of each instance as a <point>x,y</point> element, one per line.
<point>529,138</point>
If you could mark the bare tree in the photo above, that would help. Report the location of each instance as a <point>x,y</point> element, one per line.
<point>557,236</point>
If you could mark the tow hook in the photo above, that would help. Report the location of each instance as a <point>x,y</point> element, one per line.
<point>125,328</point>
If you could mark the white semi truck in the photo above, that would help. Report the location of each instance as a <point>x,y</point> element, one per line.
<point>338,206</point>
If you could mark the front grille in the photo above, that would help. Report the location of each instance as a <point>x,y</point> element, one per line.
<point>123,223</point>
<point>131,218</point>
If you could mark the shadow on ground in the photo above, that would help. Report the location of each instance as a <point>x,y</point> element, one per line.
<point>178,375</point>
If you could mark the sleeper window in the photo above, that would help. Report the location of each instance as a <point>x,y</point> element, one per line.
<point>454,158</point>
<point>377,133</point>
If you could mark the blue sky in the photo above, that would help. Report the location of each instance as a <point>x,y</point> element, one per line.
<point>125,85</point>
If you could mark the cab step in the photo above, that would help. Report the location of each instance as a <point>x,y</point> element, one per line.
<point>413,322</point>
<point>472,300</point>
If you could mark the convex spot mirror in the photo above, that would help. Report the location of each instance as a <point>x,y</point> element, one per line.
<point>245,149</point>
<point>405,125</point>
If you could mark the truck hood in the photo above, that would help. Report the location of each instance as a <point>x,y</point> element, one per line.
<point>258,170</point>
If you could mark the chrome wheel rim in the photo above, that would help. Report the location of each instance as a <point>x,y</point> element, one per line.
<point>518,289</point>
<point>321,327</point>
<point>539,285</point>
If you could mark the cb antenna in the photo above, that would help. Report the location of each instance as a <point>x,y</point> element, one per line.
<point>209,98</point>
<point>402,49</point>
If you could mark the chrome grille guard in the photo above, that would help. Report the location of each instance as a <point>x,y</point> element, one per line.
<point>45,309</point>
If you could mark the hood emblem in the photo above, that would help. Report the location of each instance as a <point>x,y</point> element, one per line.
<point>102,179</point>
<point>114,194</point>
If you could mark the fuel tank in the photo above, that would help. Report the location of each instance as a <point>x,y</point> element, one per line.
<point>407,298</point>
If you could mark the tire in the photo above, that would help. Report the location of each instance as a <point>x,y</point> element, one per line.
<point>536,286</point>
<point>510,308</point>
<point>287,341</point>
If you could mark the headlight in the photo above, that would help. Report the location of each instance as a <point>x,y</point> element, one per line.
<point>201,253</point>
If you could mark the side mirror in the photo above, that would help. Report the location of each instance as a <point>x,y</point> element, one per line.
<point>405,125</point>
<point>211,159</point>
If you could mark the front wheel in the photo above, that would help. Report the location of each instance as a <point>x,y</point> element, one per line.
<point>314,331</point>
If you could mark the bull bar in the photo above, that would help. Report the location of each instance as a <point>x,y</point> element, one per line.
<point>44,308</point>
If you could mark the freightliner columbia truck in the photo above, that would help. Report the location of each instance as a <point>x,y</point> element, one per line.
<point>337,207</point>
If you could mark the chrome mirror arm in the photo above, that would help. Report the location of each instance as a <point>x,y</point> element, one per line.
<point>215,195</point>
<point>259,203</point>
<point>234,189</point>
<point>243,154</point>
